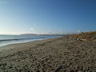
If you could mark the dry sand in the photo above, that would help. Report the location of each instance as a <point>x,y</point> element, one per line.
<point>52,55</point>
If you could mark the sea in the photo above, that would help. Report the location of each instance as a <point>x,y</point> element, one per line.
<point>13,39</point>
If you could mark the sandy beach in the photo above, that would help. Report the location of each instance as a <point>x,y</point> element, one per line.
<point>53,55</point>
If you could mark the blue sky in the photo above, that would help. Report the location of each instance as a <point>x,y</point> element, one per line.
<point>47,16</point>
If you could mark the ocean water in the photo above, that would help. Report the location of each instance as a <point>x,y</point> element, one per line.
<point>13,39</point>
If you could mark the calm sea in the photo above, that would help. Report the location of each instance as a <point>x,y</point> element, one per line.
<point>13,39</point>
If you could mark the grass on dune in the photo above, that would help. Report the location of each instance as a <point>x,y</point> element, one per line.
<point>85,35</point>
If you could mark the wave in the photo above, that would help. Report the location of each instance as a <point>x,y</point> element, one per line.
<point>11,40</point>
<point>21,39</point>
<point>14,39</point>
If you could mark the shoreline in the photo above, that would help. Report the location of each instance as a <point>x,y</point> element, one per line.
<point>51,55</point>
<point>17,41</point>
<point>23,45</point>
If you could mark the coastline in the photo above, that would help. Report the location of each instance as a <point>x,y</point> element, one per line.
<point>19,39</point>
<point>51,55</point>
<point>13,48</point>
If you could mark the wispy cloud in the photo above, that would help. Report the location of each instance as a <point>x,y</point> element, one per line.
<point>32,29</point>
<point>78,31</point>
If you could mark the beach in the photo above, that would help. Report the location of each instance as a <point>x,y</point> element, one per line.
<point>62,54</point>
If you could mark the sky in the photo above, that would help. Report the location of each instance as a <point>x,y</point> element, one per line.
<point>47,16</point>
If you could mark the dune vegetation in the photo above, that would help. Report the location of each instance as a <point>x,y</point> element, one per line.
<point>89,36</point>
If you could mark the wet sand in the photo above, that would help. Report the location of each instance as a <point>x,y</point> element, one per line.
<point>53,55</point>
